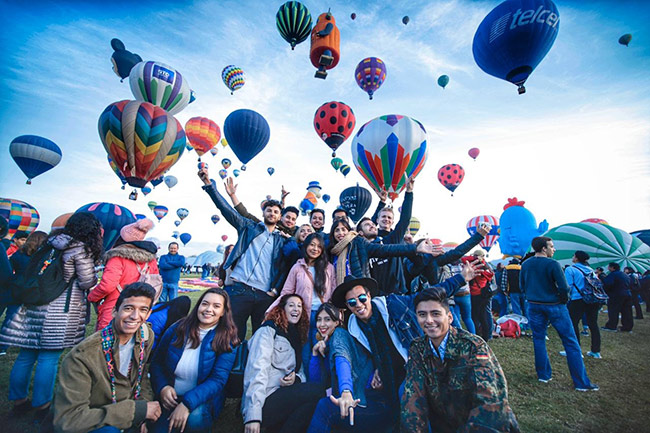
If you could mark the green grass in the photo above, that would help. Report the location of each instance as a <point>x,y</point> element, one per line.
<point>621,405</point>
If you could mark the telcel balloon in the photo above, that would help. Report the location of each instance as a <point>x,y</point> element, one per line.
<point>185,238</point>
<point>203,134</point>
<point>514,38</point>
<point>370,74</point>
<point>450,176</point>
<point>492,236</point>
<point>112,217</point>
<point>34,155</point>
<point>294,22</point>
<point>182,213</point>
<point>20,216</point>
<point>443,80</point>
<point>356,200</point>
<point>334,122</point>
<point>160,212</point>
<point>160,85</point>
<point>170,181</point>
<point>247,133</point>
<point>473,153</point>
<point>233,77</point>
<point>122,59</point>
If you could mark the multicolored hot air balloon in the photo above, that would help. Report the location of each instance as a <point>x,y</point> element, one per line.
<point>491,238</point>
<point>414,226</point>
<point>233,77</point>
<point>122,59</point>
<point>116,170</point>
<point>448,246</point>
<point>160,211</point>
<point>20,216</point>
<point>60,221</point>
<point>388,150</point>
<point>270,171</point>
<point>214,151</point>
<point>334,122</point>
<point>345,169</point>
<point>223,173</point>
<point>202,165</point>
<point>247,133</point>
<point>595,221</point>
<point>443,80</point>
<point>625,39</point>
<point>474,152</point>
<point>336,163</point>
<point>370,74</point>
<point>215,219</point>
<point>203,134</point>
<point>170,181</point>
<point>294,22</point>
<point>34,155</point>
<point>356,200</point>
<point>143,140</point>
<point>450,176</point>
<point>112,217</point>
<point>152,204</point>
<point>514,38</point>
<point>185,238</point>
<point>182,213</point>
<point>160,85</point>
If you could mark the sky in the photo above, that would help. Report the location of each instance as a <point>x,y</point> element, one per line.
<point>576,145</point>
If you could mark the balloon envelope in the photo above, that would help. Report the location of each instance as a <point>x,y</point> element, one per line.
<point>20,216</point>
<point>334,122</point>
<point>336,163</point>
<point>370,74</point>
<point>122,59</point>
<point>493,235</point>
<point>152,204</point>
<point>270,171</point>
<point>247,133</point>
<point>414,226</point>
<point>177,223</point>
<point>644,235</point>
<point>473,152</point>
<point>233,77</point>
<point>182,213</point>
<point>160,85</point>
<point>224,237</point>
<point>185,238</point>
<point>443,80</point>
<point>160,211</point>
<point>294,22</point>
<point>202,133</point>
<point>223,173</point>
<point>595,220</point>
<point>450,176</point>
<point>326,198</point>
<point>34,155</point>
<point>171,181</point>
<point>625,39</point>
<point>112,217</point>
<point>215,218</point>
<point>405,20</point>
<point>356,200</point>
<point>345,169</point>
<point>60,221</point>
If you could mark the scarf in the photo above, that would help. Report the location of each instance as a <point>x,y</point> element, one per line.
<point>108,340</point>
<point>341,251</point>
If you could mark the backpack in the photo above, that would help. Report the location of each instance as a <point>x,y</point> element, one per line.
<point>154,280</point>
<point>510,329</point>
<point>593,292</point>
<point>235,384</point>
<point>43,280</point>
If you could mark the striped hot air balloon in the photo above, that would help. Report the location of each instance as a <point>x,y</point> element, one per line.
<point>370,75</point>
<point>448,246</point>
<point>34,155</point>
<point>492,237</point>
<point>233,77</point>
<point>143,140</point>
<point>160,85</point>
<point>160,211</point>
<point>294,22</point>
<point>113,217</point>
<point>203,134</point>
<point>414,226</point>
<point>116,170</point>
<point>21,216</point>
<point>602,242</point>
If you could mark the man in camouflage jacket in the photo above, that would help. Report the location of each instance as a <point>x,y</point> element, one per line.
<point>453,380</point>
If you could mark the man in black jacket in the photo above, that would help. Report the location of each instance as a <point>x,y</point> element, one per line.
<point>617,286</point>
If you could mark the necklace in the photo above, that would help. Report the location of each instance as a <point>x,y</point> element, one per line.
<point>108,340</point>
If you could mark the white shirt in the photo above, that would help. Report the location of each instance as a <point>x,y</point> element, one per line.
<point>126,353</point>
<point>187,369</point>
<point>315,299</point>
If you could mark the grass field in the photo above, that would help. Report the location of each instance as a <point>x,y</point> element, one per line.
<point>621,405</point>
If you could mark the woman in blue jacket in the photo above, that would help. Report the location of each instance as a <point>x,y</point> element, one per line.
<point>192,364</point>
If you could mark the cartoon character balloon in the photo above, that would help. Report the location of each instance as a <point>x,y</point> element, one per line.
<point>314,187</point>
<point>20,216</point>
<point>143,140</point>
<point>514,38</point>
<point>170,181</point>
<point>122,59</point>
<point>34,155</point>
<point>414,226</point>
<point>356,200</point>
<point>443,80</point>
<point>492,236</point>
<point>517,228</point>
<point>215,219</point>
<point>325,42</point>
<point>450,176</point>
<point>233,77</point>
<point>308,203</point>
<point>388,150</point>
<point>112,217</point>
<point>370,74</point>
<point>182,213</point>
<point>160,85</point>
<point>474,152</point>
<point>334,122</point>
<point>223,173</point>
<point>294,22</point>
<point>185,238</point>
<point>247,133</point>
<point>160,211</point>
<point>203,134</point>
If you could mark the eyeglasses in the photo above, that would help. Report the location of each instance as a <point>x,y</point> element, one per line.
<point>352,302</point>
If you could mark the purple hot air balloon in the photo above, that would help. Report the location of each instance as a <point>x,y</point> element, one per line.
<point>370,74</point>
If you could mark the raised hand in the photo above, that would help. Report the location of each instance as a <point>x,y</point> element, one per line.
<point>484,229</point>
<point>231,187</point>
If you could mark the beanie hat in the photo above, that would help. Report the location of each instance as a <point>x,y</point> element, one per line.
<point>581,256</point>
<point>136,231</point>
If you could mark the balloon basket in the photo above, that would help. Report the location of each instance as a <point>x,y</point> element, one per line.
<point>521,89</point>
<point>29,182</point>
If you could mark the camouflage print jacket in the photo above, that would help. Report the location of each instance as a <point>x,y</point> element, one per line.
<point>465,393</point>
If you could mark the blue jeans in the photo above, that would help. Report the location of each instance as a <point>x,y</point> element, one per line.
<point>502,300</point>
<point>169,292</point>
<point>44,377</point>
<point>311,340</point>
<point>463,308</point>
<point>199,420</point>
<point>520,306</point>
<point>540,315</point>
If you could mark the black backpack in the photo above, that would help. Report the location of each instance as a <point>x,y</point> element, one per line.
<point>43,280</point>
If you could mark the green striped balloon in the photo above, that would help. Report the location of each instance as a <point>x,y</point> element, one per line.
<point>603,243</point>
<point>294,22</point>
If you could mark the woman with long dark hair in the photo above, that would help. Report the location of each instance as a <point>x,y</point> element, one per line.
<point>192,363</point>
<point>328,319</point>
<point>276,393</point>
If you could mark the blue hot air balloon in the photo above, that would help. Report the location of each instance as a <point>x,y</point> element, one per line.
<point>158,181</point>
<point>185,238</point>
<point>247,133</point>
<point>356,200</point>
<point>140,216</point>
<point>514,38</point>
<point>326,198</point>
<point>113,217</point>
<point>34,155</point>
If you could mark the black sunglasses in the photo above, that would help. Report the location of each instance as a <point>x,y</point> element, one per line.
<point>352,302</point>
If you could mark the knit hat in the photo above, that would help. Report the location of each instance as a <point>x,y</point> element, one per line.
<point>136,231</point>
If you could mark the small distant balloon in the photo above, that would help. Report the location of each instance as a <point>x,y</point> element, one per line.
<point>443,80</point>
<point>214,151</point>
<point>34,155</point>
<point>160,212</point>
<point>625,39</point>
<point>224,238</point>
<point>345,169</point>
<point>450,176</point>
<point>170,181</point>
<point>223,173</point>
<point>158,181</point>
<point>226,163</point>
<point>139,216</point>
<point>185,238</point>
<point>177,223</point>
<point>145,190</point>
<point>175,234</point>
<point>236,172</point>
<point>182,213</point>
<point>202,165</point>
<point>474,152</point>
<point>243,168</point>
<point>326,198</point>
<point>152,204</point>
<point>353,16</point>
<point>233,77</point>
<point>224,142</point>
<point>270,171</point>
<point>406,20</point>
<point>336,163</point>
<point>215,219</point>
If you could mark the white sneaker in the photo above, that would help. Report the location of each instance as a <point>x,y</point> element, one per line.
<point>563,353</point>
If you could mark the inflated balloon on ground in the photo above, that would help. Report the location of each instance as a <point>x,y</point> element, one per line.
<point>112,217</point>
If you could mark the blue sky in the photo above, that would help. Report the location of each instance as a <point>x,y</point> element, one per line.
<point>575,146</point>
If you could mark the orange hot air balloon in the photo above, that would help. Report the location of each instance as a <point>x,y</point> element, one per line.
<point>325,42</point>
<point>203,134</point>
<point>59,222</point>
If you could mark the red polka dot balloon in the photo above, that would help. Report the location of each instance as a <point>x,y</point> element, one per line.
<point>334,122</point>
<point>450,176</point>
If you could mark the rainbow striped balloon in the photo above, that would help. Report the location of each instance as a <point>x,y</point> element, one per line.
<point>143,140</point>
<point>233,77</point>
<point>20,216</point>
<point>116,170</point>
<point>388,150</point>
<point>203,134</point>
<point>160,85</point>
<point>492,237</point>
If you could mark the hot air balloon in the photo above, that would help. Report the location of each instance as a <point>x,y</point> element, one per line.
<point>644,235</point>
<point>233,77</point>
<point>270,171</point>
<point>143,140</point>
<point>236,172</point>
<point>122,59</point>
<point>177,223</point>
<point>146,189</point>
<point>334,122</point>
<point>152,204</point>
<point>326,198</point>
<point>170,181</point>
<point>112,217</point>
<point>20,216</point>
<point>224,238</point>
<point>223,173</point>
<point>140,216</point>
<point>34,155</point>
<point>353,16</point>
<point>514,38</point>
<point>345,169</point>
<point>518,228</point>
<point>294,22</point>
<point>370,74</point>
<point>224,142</point>
<point>160,85</point>
<point>202,165</point>
<point>443,80</point>
<point>625,39</point>
<point>491,238</point>
<point>182,213</point>
<point>60,221</point>
<point>388,150</point>
<point>450,176</point>
<point>405,20</point>
<point>448,246</point>
<point>474,152</point>
<point>214,151</point>
<point>356,200</point>
<point>160,211</point>
<point>247,133</point>
<point>185,238</point>
<point>203,134</point>
<point>215,219</point>
<point>414,226</point>
<point>175,234</point>
<point>158,181</point>
<point>116,170</point>
<point>325,41</point>
<point>336,163</point>
<point>595,221</point>
<point>308,203</point>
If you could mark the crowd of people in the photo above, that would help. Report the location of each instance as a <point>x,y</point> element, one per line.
<point>355,329</point>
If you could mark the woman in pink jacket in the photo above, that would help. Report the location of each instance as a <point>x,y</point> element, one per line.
<point>313,279</point>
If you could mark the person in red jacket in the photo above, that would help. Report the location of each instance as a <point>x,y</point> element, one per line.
<point>130,257</point>
<point>481,308</point>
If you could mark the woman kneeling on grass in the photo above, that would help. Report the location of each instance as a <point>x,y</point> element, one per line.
<point>192,364</point>
<point>275,392</point>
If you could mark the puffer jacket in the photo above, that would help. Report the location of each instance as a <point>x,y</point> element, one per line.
<point>121,269</point>
<point>360,250</point>
<point>49,326</point>
<point>301,283</point>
